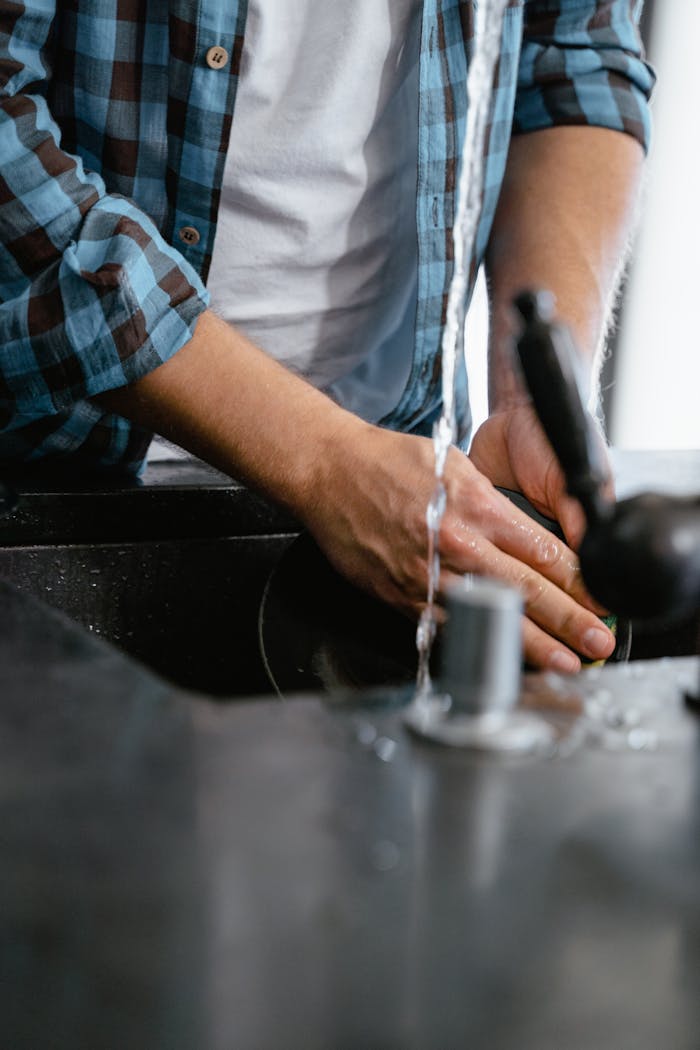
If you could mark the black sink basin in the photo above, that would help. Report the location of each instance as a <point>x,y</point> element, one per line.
<point>170,569</point>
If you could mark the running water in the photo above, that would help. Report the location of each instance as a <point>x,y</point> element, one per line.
<point>487,45</point>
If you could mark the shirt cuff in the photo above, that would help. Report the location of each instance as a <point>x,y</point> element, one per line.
<point>582,76</point>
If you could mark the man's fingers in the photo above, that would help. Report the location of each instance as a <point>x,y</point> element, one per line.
<point>572,521</point>
<point>516,534</point>
<point>541,650</point>
<point>549,607</point>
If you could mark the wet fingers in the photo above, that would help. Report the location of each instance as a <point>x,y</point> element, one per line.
<point>517,535</point>
<point>545,653</point>
<point>563,626</point>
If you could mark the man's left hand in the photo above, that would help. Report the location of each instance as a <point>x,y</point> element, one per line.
<point>511,449</point>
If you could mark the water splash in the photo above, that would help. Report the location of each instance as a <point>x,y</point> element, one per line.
<point>637,707</point>
<point>470,192</point>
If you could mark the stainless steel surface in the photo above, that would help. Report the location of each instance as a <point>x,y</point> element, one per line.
<point>176,873</point>
<point>182,874</point>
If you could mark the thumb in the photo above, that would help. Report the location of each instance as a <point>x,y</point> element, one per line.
<point>572,520</point>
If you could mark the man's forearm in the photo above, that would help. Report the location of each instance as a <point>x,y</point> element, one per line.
<point>563,223</point>
<point>224,399</point>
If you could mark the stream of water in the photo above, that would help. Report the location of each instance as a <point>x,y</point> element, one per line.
<point>487,45</point>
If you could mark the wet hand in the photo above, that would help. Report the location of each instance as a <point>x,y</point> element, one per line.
<point>369,517</point>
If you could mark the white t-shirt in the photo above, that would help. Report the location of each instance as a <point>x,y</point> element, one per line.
<point>316,248</point>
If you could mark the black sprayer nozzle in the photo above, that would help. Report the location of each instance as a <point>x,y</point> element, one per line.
<point>547,358</point>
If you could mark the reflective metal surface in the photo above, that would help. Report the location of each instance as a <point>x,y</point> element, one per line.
<point>178,873</point>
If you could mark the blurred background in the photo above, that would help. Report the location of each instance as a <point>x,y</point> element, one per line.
<point>651,380</point>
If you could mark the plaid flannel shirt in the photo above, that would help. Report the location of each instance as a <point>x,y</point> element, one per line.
<point>114,124</point>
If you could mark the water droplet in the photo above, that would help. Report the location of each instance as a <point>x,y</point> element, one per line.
<point>642,739</point>
<point>366,734</point>
<point>385,748</point>
<point>436,508</point>
<point>425,631</point>
<point>615,718</point>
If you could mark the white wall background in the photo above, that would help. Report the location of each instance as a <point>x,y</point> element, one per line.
<point>657,389</point>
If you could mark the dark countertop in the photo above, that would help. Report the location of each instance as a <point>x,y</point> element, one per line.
<point>184,498</point>
<point>177,873</point>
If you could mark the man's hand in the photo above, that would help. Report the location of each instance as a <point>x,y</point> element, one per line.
<point>510,448</point>
<point>371,522</point>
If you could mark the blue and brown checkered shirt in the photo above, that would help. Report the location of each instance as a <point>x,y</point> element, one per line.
<point>114,125</point>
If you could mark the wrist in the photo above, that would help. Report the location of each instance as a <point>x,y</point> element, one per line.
<point>324,462</point>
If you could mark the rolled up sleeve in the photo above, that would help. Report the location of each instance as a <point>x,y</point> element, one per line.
<point>91,295</point>
<point>582,62</point>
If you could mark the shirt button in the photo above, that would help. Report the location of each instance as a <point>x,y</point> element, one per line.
<point>217,57</point>
<point>189,235</point>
